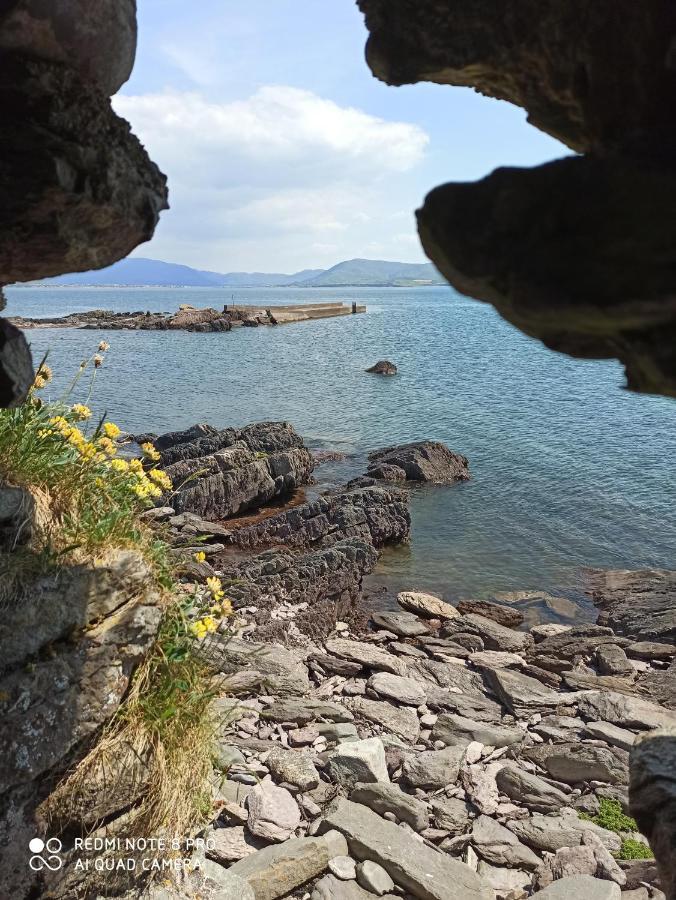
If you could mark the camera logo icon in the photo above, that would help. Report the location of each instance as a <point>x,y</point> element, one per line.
<point>45,854</point>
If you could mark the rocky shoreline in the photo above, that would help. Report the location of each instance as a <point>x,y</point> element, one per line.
<point>188,318</point>
<point>434,752</point>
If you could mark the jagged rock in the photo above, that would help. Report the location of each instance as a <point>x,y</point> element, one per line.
<point>293,768</point>
<point>454,729</point>
<point>503,615</point>
<point>382,798</point>
<point>278,870</point>
<point>273,813</point>
<point>433,769</point>
<point>481,787</point>
<point>639,604</point>
<point>612,660</point>
<point>530,790</point>
<point>366,654</point>
<point>500,846</point>
<point>451,814</point>
<point>402,721</point>
<point>423,461</point>
<point>522,694</point>
<point>426,605</point>
<point>384,367</point>
<point>281,667</point>
<point>652,793</point>
<point>624,710</point>
<point>359,761</point>
<point>559,652</point>
<point>394,687</point>
<point>426,873</point>
<point>507,883</point>
<point>401,623</point>
<point>494,636</point>
<point>16,365</point>
<point>91,180</point>
<point>574,887</point>
<point>607,867</point>
<point>374,514</point>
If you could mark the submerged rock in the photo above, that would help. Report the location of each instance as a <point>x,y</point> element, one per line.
<point>384,367</point>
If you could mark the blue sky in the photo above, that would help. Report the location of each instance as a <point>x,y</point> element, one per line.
<point>282,150</point>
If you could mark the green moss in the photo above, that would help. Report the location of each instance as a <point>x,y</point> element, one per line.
<point>632,849</point>
<point>611,817</point>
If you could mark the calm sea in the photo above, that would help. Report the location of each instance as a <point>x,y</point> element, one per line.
<point>568,469</point>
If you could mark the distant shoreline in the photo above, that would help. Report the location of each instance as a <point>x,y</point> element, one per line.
<point>219,287</point>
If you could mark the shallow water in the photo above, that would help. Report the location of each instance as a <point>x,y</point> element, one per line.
<point>568,470</point>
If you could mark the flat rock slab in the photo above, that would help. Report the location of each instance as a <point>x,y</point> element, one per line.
<point>427,605</point>
<point>304,711</point>
<point>396,687</point>
<point>454,729</point>
<point>417,868</point>
<point>400,720</point>
<point>277,870</point>
<point>232,844</point>
<point>403,624</point>
<point>576,762</point>
<point>624,710</point>
<point>577,887</point>
<point>500,846</point>
<point>503,615</point>
<point>359,761</point>
<point>494,636</point>
<point>530,790</point>
<point>367,654</point>
<point>382,798</point>
<point>293,767</point>
<point>521,694</point>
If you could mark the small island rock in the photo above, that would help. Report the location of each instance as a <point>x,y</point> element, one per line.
<point>383,367</point>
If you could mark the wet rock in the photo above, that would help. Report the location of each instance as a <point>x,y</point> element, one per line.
<point>273,813</point>
<point>426,605</point>
<point>639,604</point>
<point>394,687</point>
<point>359,762</point>
<point>433,769</point>
<point>530,790</point>
<point>402,721</point>
<point>425,874</point>
<point>277,870</point>
<point>503,615</point>
<point>422,461</point>
<point>382,797</point>
<point>453,729</point>
<point>384,367</point>
<point>500,846</point>
<point>366,654</point>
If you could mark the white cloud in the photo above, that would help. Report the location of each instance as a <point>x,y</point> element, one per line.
<point>263,181</point>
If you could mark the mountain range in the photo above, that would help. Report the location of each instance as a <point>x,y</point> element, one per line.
<point>136,271</point>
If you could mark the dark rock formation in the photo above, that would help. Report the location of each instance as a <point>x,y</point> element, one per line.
<point>16,365</point>
<point>578,253</point>
<point>384,367</point>
<point>373,514</point>
<point>226,472</point>
<point>639,604</point>
<point>422,461</point>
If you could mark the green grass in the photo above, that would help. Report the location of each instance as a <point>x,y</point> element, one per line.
<point>611,817</point>
<point>632,849</point>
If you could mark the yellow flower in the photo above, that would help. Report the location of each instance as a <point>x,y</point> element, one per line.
<point>111,430</point>
<point>210,623</point>
<point>215,587</point>
<point>200,556</point>
<point>81,412</point>
<point>135,465</point>
<point>119,465</point>
<point>199,630</point>
<point>59,423</point>
<point>107,446</point>
<point>87,451</point>
<point>226,607</point>
<point>161,479</point>
<point>150,452</point>
<point>103,346</point>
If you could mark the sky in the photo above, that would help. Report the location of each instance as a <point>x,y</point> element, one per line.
<point>282,151</point>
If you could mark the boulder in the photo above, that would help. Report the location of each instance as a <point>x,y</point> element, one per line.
<point>425,873</point>
<point>400,720</point>
<point>426,605</point>
<point>639,604</point>
<point>522,694</point>
<point>530,790</point>
<point>273,813</point>
<point>279,869</point>
<point>500,846</point>
<point>382,797</point>
<point>574,763</point>
<point>553,832</point>
<point>451,814</point>
<point>293,768</point>
<point>395,687</point>
<point>358,762</point>
<point>422,461</point>
<point>624,710</point>
<point>574,887</point>
<point>503,615</point>
<point>453,729</point>
<point>403,624</point>
<point>383,367</point>
<point>433,769</point>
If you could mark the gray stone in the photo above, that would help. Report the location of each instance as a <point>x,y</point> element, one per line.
<point>453,729</point>
<point>507,883</point>
<point>367,654</point>
<point>395,687</point>
<point>522,694</point>
<point>233,655</point>
<point>611,734</point>
<point>425,873</point>
<point>343,867</point>
<point>500,846</point>
<point>624,710</point>
<point>332,888</point>
<point>304,711</point>
<point>279,869</point>
<point>229,886</point>
<point>229,845</point>
<point>607,866</point>
<point>576,887</point>
<point>402,721</point>
<point>433,769</point>
<point>273,813</point>
<point>573,763</point>
<point>382,797</point>
<point>427,605</point>
<point>372,877</point>
<point>421,461</point>
<point>338,732</point>
<point>612,660</point>
<point>294,768</point>
<point>359,761</point>
<point>402,623</point>
<point>552,833</point>
<point>451,814</point>
<point>494,636</point>
<point>530,790</point>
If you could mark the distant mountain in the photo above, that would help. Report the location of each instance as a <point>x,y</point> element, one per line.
<point>136,271</point>
<point>375,273</point>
